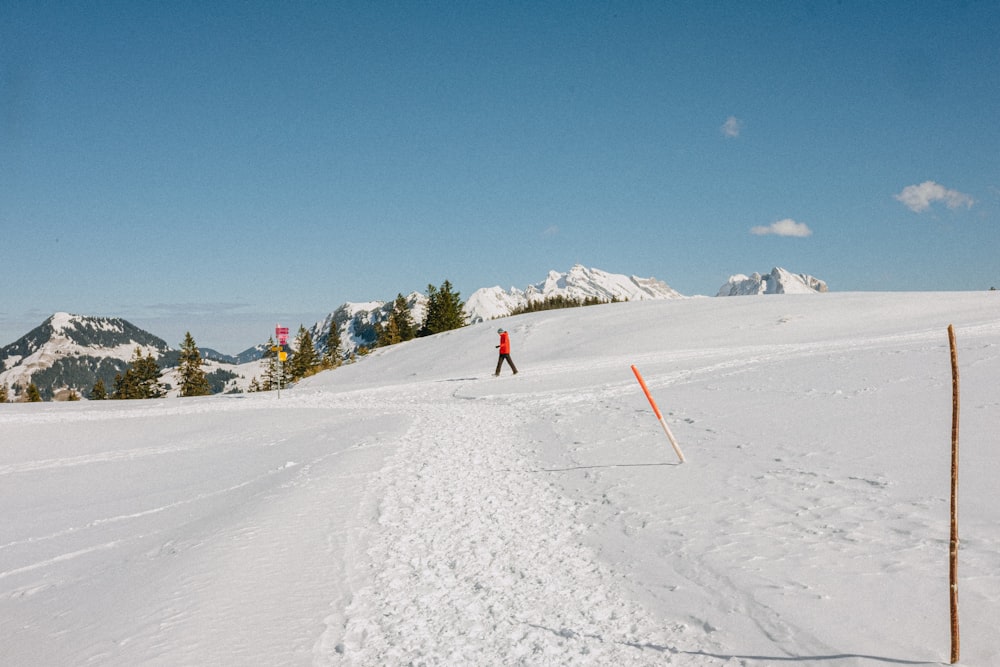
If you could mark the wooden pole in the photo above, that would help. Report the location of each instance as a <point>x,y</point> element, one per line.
<point>953,556</point>
<point>659,415</point>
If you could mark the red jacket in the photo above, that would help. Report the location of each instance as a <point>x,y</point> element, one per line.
<point>504,343</point>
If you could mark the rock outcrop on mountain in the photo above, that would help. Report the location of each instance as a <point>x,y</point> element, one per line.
<point>779,281</point>
<point>579,283</point>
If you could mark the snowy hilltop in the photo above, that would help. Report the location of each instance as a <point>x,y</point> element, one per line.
<point>67,354</point>
<point>779,281</point>
<point>67,351</point>
<point>356,322</point>
<point>578,283</point>
<point>414,510</point>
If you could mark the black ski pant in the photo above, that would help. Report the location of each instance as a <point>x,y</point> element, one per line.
<point>509,361</point>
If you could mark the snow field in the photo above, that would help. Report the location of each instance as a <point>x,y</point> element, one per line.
<point>144,552</point>
<point>412,509</point>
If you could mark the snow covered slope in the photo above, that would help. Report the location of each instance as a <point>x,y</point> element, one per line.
<point>779,281</point>
<point>412,509</point>
<point>81,358</point>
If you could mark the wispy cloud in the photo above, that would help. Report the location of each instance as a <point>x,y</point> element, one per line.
<point>193,309</point>
<point>786,227</point>
<point>549,232</point>
<point>918,198</point>
<point>732,127</point>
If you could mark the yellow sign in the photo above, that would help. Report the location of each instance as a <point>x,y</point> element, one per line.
<point>282,356</point>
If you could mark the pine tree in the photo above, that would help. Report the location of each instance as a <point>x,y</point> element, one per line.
<point>192,376</point>
<point>388,333</point>
<point>33,395</point>
<point>4,393</point>
<point>149,374</point>
<point>431,316</point>
<point>123,386</point>
<point>398,325</point>
<point>305,359</point>
<point>127,384</point>
<point>445,310</point>
<point>141,379</point>
<point>403,319</point>
<point>73,395</point>
<point>99,392</point>
<point>333,354</point>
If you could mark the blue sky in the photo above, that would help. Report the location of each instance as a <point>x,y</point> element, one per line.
<point>219,168</point>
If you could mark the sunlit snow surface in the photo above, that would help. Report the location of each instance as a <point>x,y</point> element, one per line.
<point>413,509</point>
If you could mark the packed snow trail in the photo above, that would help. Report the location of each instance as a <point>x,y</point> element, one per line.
<point>479,559</point>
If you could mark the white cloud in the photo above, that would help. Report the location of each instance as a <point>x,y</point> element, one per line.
<point>732,127</point>
<point>549,232</point>
<point>786,227</point>
<point>918,198</point>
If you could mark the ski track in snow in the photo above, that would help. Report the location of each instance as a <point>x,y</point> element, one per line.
<point>484,560</point>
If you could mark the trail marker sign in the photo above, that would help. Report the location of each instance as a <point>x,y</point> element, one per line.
<point>282,334</point>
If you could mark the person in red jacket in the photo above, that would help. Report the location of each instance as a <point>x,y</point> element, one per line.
<point>504,348</point>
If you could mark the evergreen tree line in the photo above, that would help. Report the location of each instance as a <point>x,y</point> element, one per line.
<point>142,377</point>
<point>445,311</point>
<point>76,372</point>
<point>303,362</point>
<point>560,301</point>
<point>32,394</point>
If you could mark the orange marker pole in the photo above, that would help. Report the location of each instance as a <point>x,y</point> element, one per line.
<point>659,415</point>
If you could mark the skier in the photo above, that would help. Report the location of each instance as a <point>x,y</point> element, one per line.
<point>504,348</point>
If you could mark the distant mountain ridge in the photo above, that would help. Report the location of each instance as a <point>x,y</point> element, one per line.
<point>779,281</point>
<point>356,322</point>
<point>577,283</point>
<point>71,352</point>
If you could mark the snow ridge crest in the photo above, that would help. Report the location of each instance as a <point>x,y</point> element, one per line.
<point>779,281</point>
<point>579,282</point>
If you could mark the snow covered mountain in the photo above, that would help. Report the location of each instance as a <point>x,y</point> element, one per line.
<point>69,353</point>
<point>356,321</point>
<point>578,283</point>
<point>779,281</point>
